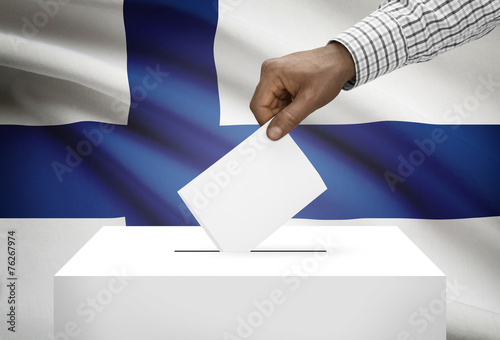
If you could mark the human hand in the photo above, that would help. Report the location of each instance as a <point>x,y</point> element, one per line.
<point>294,86</point>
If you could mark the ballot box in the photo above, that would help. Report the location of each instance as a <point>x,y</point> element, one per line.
<point>300,283</point>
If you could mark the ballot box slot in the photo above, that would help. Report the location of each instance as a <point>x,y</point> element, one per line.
<point>196,251</point>
<point>288,251</point>
<point>256,251</point>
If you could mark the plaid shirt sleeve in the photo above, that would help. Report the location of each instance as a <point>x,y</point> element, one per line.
<point>402,32</point>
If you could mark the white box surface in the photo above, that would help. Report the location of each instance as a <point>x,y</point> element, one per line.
<point>351,283</point>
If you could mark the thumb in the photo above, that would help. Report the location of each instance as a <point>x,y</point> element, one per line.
<point>288,118</point>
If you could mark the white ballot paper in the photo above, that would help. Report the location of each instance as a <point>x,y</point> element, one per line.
<point>252,191</point>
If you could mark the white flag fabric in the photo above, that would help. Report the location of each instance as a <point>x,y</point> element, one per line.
<point>63,62</point>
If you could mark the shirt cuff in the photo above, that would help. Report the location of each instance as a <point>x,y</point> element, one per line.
<point>377,46</point>
<point>406,32</point>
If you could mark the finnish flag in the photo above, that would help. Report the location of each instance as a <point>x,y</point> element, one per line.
<point>108,108</point>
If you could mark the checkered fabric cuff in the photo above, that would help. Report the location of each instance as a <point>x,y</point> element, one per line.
<point>411,31</point>
<point>377,46</point>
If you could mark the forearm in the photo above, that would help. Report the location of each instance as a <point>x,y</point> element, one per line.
<point>399,33</point>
